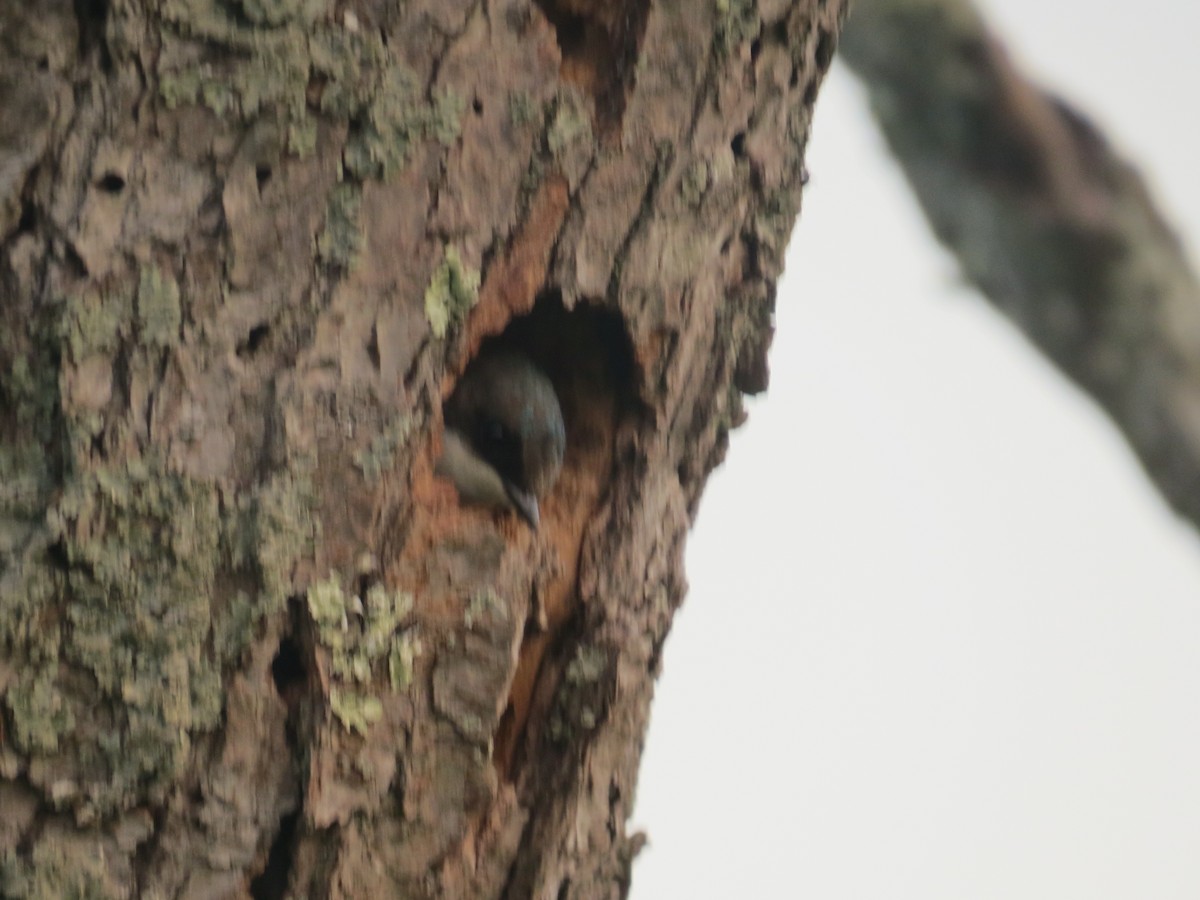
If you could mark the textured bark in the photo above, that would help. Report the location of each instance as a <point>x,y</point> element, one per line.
<point>1044,217</point>
<point>249,646</point>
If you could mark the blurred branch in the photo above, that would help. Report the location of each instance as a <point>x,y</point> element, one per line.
<point>1057,230</point>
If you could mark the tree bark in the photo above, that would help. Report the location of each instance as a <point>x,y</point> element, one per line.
<point>1045,218</point>
<point>249,645</point>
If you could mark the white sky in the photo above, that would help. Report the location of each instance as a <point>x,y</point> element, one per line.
<point>942,640</point>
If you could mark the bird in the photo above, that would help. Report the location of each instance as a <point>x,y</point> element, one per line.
<point>504,435</point>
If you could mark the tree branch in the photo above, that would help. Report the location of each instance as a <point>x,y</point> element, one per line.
<point>1046,220</point>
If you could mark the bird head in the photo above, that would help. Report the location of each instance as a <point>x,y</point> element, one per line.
<point>505,434</point>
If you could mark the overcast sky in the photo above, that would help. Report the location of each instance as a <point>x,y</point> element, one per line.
<point>942,639</point>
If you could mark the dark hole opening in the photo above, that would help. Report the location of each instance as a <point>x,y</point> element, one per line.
<point>254,339</point>
<point>570,29</point>
<point>111,183</point>
<point>373,348</point>
<point>738,144</point>
<point>92,16</point>
<point>272,883</point>
<point>287,668</point>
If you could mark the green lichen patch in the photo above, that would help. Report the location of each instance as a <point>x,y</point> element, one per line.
<point>157,307</point>
<point>378,457</point>
<point>264,532</point>
<point>341,239</point>
<point>57,870</point>
<point>359,633</point>
<point>95,320</point>
<point>139,549</point>
<point>405,648</point>
<point>25,485</point>
<point>452,292</point>
<point>737,23</point>
<point>694,183</point>
<point>396,118</point>
<point>40,714</point>
<point>522,108</point>
<point>581,699</point>
<point>120,625</point>
<point>570,123</point>
<point>356,711</point>
<point>484,607</point>
<point>260,68</point>
<point>300,64</point>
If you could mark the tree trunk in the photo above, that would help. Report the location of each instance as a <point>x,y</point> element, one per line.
<point>249,644</point>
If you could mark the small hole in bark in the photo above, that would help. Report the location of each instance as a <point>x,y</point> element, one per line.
<point>56,553</point>
<point>755,49</point>
<point>373,347</point>
<point>564,889</point>
<point>752,265</point>
<point>272,883</point>
<point>477,106</point>
<point>738,144</point>
<point>253,340</point>
<point>810,93</point>
<point>287,668</point>
<point>111,183</point>
<point>262,174</point>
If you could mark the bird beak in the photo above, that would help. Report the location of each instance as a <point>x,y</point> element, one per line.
<point>525,503</point>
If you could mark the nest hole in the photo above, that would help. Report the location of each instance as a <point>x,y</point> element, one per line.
<point>587,355</point>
